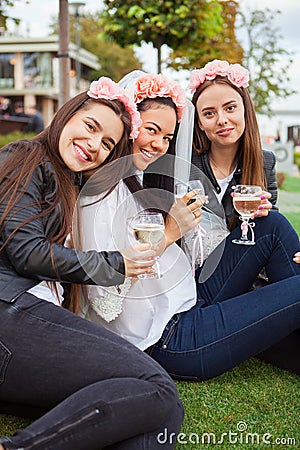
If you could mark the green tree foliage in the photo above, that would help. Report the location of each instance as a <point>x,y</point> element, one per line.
<point>115,61</point>
<point>4,13</point>
<point>161,22</point>
<point>223,45</point>
<point>267,61</point>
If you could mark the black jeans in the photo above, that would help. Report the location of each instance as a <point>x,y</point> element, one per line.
<point>99,390</point>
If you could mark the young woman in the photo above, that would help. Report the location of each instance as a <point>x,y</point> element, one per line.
<point>226,141</point>
<point>96,389</point>
<point>193,338</point>
<point>227,149</point>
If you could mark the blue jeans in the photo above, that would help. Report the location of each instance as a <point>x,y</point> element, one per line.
<point>230,321</point>
<point>99,390</point>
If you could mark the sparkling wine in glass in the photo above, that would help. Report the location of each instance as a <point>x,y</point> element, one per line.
<point>246,201</point>
<point>148,228</point>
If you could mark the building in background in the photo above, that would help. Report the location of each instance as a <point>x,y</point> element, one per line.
<point>29,71</point>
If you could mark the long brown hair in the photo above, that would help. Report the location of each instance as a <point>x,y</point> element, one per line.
<point>24,156</point>
<point>250,148</point>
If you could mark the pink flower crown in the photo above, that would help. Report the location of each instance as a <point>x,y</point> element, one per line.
<point>152,86</point>
<point>108,89</point>
<point>236,74</point>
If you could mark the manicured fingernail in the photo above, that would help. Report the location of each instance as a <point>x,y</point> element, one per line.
<point>262,197</point>
<point>260,207</point>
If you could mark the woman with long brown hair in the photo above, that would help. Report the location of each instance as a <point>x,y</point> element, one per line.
<point>227,148</point>
<point>97,390</point>
<point>226,142</point>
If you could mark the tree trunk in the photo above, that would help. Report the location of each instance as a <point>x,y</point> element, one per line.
<point>63,53</point>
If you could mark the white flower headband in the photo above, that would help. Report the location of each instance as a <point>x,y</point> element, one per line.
<point>236,74</point>
<point>153,85</point>
<point>108,89</point>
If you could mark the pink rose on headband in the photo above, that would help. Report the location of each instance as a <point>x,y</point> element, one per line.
<point>105,88</point>
<point>153,86</point>
<point>149,86</point>
<point>198,76</point>
<point>238,75</point>
<point>216,67</point>
<point>179,98</point>
<point>108,89</point>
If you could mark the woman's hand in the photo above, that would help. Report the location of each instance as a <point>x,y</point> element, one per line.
<point>138,259</point>
<point>265,206</point>
<point>296,258</point>
<point>183,217</point>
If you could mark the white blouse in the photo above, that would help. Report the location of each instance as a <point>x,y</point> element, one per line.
<point>45,292</point>
<point>137,311</point>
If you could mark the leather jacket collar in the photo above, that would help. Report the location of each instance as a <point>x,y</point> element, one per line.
<point>204,165</point>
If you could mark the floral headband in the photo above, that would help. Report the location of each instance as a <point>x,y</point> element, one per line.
<point>236,74</point>
<point>108,89</point>
<point>152,86</point>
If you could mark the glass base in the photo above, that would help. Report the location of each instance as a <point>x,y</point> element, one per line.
<point>242,242</point>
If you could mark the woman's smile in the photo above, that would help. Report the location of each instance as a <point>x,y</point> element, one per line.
<point>225,132</point>
<point>83,155</point>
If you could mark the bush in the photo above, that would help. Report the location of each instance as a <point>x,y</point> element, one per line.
<point>297,158</point>
<point>16,135</point>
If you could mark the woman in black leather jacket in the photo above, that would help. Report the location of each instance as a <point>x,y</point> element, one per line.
<point>227,149</point>
<point>226,142</point>
<point>98,390</point>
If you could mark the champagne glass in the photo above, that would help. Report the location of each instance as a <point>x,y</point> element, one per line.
<point>182,188</point>
<point>246,201</point>
<point>148,228</point>
<point>197,185</point>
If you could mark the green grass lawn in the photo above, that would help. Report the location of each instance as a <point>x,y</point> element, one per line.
<point>289,201</point>
<point>241,408</point>
<point>254,398</point>
<point>291,184</point>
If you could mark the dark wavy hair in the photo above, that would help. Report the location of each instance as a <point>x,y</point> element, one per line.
<point>159,175</point>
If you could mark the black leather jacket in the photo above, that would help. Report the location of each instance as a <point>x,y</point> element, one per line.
<point>26,260</point>
<point>202,163</point>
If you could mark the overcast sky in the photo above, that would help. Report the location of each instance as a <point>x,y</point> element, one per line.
<point>35,16</point>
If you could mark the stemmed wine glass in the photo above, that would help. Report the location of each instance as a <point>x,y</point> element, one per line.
<point>198,232</point>
<point>148,228</point>
<point>246,201</point>
<point>182,188</point>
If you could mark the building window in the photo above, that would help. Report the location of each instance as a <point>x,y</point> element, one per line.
<point>37,70</point>
<point>7,61</point>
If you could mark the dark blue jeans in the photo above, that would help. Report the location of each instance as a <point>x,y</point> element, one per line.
<point>99,390</point>
<point>230,321</point>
